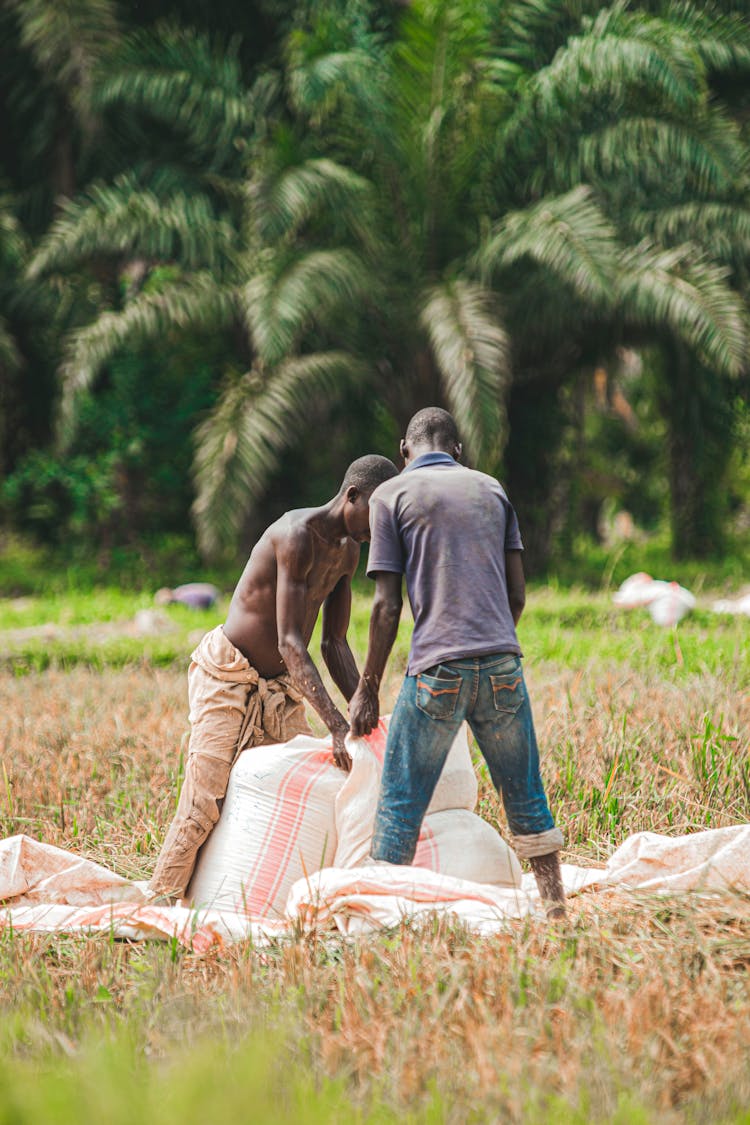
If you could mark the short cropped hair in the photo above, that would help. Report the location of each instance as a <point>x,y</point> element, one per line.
<point>432,425</point>
<point>366,473</point>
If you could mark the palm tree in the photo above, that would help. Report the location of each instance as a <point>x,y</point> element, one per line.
<point>674,173</point>
<point>26,389</point>
<point>467,214</point>
<point>68,40</point>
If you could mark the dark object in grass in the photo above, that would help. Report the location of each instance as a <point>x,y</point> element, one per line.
<point>196,595</point>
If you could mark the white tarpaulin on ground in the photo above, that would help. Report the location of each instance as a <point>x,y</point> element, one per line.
<point>462,868</point>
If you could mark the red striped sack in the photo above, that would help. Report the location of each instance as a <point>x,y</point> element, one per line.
<point>276,825</point>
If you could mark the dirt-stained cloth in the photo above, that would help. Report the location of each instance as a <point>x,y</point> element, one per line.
<point>231,709</point>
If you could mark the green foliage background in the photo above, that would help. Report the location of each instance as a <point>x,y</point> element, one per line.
<point>239,245</point>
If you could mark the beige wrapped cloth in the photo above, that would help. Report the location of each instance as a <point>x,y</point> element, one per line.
<point>231,709</point>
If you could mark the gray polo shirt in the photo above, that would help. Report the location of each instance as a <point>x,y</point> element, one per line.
<point>447,528</point>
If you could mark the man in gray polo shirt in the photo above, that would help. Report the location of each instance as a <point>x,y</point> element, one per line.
<point>453,533</point>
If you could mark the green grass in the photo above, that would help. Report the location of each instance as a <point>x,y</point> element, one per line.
<point>264,1078</point>
<point>571,627</point>
<point>595,566</point>
<point>29,569</point>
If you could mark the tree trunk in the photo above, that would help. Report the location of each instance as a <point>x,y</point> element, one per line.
<point>536,425</point>
<point>410,388</point>
<point>699,418</point>
<point>64,174</point>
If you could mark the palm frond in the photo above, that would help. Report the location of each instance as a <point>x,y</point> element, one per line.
<point>722,230</point>
<point>682,290</point>
<point>13,241</point>
<point>280,306</point>
<point>618,53</point>
<point>10,357</point>
<point>69,39</point>
<point>705,154</point>
<point>446,86</point>
<point>568,235</point>
<point>195,304</point>
<point>179,77</point>
<point>533,30</point>
<point>320,80</point>
<point>283,202</point>
<point>241,444</point>
<point>334,60</point>
<point>222,463</point>
<point>126,220</point>
<point>721,38</point>
<point>472,352</point>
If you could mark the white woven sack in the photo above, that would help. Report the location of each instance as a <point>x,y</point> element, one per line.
<point>355,803</point>
<point>459,843</point>
<point>277,824</point>
<point>672,605</point>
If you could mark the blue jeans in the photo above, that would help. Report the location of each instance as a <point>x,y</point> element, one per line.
<point>490,693</point>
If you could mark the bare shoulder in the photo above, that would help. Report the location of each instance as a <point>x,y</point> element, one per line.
<point>292,539</point>
<point>285,542</point>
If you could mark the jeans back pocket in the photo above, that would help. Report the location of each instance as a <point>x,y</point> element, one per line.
<point>437,696</point>
<point>508,691</point>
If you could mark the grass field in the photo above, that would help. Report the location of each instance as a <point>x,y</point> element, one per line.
<point>639,1013</point>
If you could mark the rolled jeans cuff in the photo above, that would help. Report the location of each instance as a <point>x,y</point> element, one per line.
<point>537,843</point>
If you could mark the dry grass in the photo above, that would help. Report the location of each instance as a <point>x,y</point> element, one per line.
<point>641,1009</point>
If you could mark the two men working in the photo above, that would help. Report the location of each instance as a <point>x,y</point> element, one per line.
<point>454,535</point>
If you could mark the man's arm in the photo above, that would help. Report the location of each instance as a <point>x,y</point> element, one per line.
<point>334,646</point>
<point>516,583</point>
<point>364,709</point>
<point>293,566</point>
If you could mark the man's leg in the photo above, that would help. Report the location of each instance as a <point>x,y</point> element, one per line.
<point>428,713</point>
<point>203,789</point>
<point>217,716</point>
<point>504,729</point>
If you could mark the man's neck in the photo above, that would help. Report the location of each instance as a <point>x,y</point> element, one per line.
<point>328,521</point>
<point>421,450</point>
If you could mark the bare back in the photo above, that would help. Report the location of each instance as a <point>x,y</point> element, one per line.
<point>291,553</point>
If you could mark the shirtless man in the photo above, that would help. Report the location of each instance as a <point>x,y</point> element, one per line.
<point>248,678</point>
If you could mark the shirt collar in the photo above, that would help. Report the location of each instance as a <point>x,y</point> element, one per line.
<point>434,458</point>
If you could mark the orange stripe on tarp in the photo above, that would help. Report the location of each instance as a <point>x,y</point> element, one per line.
<point>199,938</point>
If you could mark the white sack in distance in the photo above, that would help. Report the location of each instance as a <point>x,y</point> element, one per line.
<point>667,602</point>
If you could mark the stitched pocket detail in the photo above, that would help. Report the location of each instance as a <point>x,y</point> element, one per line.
<point>508,691</point>
<point>438,696</point>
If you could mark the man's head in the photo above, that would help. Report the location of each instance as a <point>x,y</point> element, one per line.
<point>362,478</point>
<point>431,430</point>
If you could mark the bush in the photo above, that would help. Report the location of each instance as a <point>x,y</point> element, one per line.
<point>53,498</point>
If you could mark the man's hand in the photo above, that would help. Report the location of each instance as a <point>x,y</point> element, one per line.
<point>364,708</point>
<point>341,755</point>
